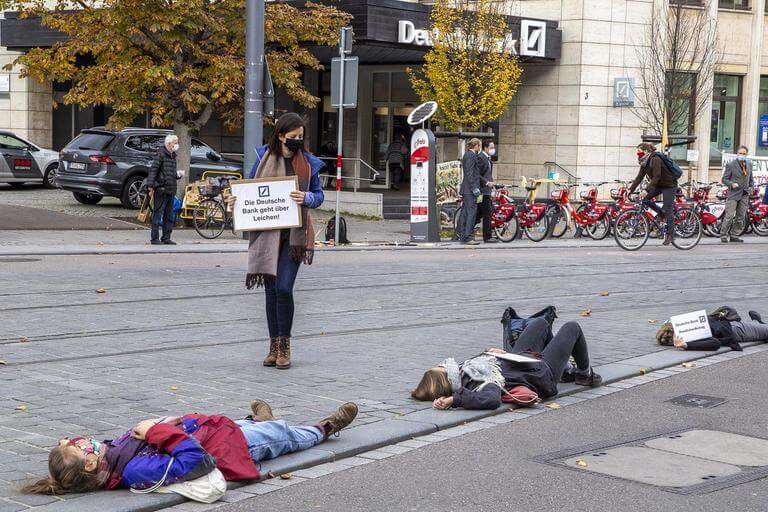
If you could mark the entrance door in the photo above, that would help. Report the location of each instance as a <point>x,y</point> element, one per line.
<point>388,122</point>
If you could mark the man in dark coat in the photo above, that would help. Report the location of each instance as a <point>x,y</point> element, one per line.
<point>161,181</point>
<point>660,182</point>
<point>737,176</point>
<point>486,188</point>
<point>470,191</point>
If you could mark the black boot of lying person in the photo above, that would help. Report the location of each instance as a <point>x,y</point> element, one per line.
<point>588,378</point>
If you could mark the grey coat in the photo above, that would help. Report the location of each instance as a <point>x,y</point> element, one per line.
<point>733,174</point>
<point>470,165</point>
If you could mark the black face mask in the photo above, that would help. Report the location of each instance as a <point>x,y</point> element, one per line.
<point>294,145</point>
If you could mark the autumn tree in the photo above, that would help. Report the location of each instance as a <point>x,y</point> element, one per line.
<point>178,60</point>
<point>472,71</point>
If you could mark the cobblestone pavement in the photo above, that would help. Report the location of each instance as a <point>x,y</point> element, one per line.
<point>179,333</point>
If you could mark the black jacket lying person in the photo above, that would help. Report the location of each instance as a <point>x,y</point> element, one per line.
<point>480,382</point>
<point>727,331</point>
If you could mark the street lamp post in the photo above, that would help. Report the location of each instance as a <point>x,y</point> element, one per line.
<point>254,82</point>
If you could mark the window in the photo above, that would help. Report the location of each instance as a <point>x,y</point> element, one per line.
<point>11,142</point>
<point>761,147</point>
<point>726,116</point>
<point>145,143</point>
<point>681,110</point>
<point>200,149</point>
<point>91,141</point>
<point>734,4</point>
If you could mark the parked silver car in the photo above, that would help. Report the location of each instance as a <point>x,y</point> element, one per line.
<point>23,162</point>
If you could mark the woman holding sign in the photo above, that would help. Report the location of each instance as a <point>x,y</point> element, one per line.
<point>274,256</point>
<point>728,331</point>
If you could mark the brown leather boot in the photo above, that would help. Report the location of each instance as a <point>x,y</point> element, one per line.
<point>271,358</point>
<point>340,419</point>
<point>261,411</point>
<point>283,361</point>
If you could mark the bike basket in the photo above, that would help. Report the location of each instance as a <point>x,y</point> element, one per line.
<point>559,195</point>
<point>587,194</point>
<point>615,193</point>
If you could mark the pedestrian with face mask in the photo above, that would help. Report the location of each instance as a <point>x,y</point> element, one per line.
<point>737,177</point>
<point>274,257</point>
<point>661,181</point>
<point>161,181</point>
<point>486,188</point>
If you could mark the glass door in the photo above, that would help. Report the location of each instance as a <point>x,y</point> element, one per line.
<point>380,140</point>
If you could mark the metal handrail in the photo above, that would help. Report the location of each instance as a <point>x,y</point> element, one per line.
<point>356,179</point>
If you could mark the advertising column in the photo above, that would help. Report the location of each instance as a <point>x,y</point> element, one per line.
<point>424,218</point>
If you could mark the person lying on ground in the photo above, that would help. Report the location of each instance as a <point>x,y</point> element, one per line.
<point>480,382</point>
<point>725,333</point>
<point>180,449</point>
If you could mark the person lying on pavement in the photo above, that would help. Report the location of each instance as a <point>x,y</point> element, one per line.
<point>480,382</point>
<point>725,333</point>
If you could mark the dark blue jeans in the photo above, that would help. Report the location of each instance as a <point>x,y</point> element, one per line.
<point>278,292</point>
<point>162,208</point>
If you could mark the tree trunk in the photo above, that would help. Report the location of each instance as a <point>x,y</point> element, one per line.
<point>183,156</point>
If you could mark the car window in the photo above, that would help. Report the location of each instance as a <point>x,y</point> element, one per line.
<point>200,149</point>
<point>145,143</point>
<point>10,142</point>
<point>91,141</point>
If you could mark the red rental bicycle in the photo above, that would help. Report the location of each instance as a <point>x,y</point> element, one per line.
<point>590,217</point>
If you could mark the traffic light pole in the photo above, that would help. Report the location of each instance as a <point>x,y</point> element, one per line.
<point>340,137</point>
<point>254,82</point>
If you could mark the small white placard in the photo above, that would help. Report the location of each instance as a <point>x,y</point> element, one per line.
<point>692,155</point>
<point>265,203</point>
<point>691,326</point>
<point>5,83</point>
<point>515,358</point>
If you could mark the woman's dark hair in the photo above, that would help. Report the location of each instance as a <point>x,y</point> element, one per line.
<point>647,147</point>
<point>665,335</point>
<point>434,384</point>
<point>67,474</point>
<point>286,123</point>
<point>487,143</point>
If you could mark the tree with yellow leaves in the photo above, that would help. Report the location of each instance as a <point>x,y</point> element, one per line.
<point>472,71</point>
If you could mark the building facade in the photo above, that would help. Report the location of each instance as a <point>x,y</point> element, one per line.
<point>572,52</point>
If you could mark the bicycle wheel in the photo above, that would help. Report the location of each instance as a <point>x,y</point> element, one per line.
<point>600,229</point>
<point>508,231</point>
<point>631,230</point>
<point>687,228</point>
<point>558,220</point>
<point>209,219</point>
<point>539,229</point>
<point>761,227</point>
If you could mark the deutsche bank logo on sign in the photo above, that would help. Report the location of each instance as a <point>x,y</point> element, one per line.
<point>264,191</point>
<point>533,38</point>
<point>624,92</point>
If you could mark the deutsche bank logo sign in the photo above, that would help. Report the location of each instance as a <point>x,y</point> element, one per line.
<point>624,91</point>
<point>264,191</point>
<point>533,38</point>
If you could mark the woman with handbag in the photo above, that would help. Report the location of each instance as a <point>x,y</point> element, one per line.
<point>482,382</point>
<point>165,454</point>
<point>274,256</point>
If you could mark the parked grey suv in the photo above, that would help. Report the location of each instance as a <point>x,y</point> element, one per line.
<point>100,162</point>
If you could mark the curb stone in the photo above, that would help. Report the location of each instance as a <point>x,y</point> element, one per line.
<point>367,443</point>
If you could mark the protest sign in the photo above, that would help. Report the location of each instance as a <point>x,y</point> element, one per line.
<point>691,326</point>
<point>265,203</point>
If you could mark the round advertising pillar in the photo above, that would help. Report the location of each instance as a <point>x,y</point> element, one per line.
<point>425,221</point>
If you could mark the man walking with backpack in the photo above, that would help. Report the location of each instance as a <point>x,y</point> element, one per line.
<point>662,180</point>
<point>737,176</point>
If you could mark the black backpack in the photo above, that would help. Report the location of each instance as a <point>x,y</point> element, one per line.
<point>513,324</point>
<point>725,313</point>
<point>330,230</point>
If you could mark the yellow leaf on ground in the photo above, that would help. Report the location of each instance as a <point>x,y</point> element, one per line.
<point>101,290</point>
<point>581,463</point>
<point>586,312</point>
<point>653,321</point>
<point>605,294</point>
<point>23,339</point>
<point>553,405</point>
<point>3,362</point>
<point>174,388</point>
<point>643,371</point>
<point>688,365</point>
<point>286,476</point>
<point>21,408</point>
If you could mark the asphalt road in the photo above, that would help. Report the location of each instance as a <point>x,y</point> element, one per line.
<point>495,469</point>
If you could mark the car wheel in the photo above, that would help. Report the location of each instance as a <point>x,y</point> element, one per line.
<point>16,185</point>
<point>49,178</point>
<point>86,198</point>
<point>133,194</point>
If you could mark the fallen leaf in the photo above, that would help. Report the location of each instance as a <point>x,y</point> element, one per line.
<point>101,290</point>
<point>99,243</point>
<point>174,388</point>
<point>218,266</point>
<point>23,339</point>
<point>643,371</point>
<point>586,312</point>
<point>553,405</point>
<point>653,321</point>
<point>286,476</point>
<point>3,362</point>
<point>605,294</point>
<point>21,408</point>
<point>581,463</point>
<point>271,475</point>
<point>688,365</point>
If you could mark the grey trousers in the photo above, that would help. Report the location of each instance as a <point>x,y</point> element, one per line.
<point>734,215</point>
<point>469,217</point>
<point>749,331</point>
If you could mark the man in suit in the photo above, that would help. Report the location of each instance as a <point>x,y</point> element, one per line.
<point>738,178</point>
<point>470,191</point>
<point>486,185</point>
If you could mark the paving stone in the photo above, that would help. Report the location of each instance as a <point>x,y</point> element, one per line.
<point>654,467</point>
<point>7,506</point>
<point>258,489</point>
<point>713,445</point>
<point>296,460</point>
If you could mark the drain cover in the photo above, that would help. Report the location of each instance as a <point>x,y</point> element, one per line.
<point>700,401</point>
<point>712,445</point>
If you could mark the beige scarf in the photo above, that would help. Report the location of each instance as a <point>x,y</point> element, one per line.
<point>264,246</point>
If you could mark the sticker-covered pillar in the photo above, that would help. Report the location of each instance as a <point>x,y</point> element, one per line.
<point>425,221</point>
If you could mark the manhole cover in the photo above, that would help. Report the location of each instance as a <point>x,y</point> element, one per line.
<point>700,401</point>
<point>18,260</point>
<point>689,461</point>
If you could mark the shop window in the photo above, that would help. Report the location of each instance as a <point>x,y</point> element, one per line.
<point>726,116</point>
<point>734,4</point>
<point>761,147</point>
<point>402,91</point>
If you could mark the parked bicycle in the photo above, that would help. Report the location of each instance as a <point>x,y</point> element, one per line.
<point>633,227</point>
<point>211,216</point>
<point>591,217</point>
